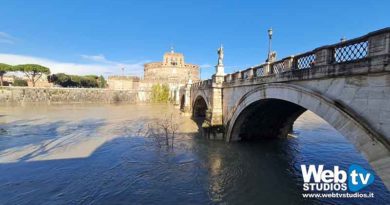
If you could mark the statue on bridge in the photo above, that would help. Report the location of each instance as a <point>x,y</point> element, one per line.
<point>219,67</point>
<point>272,57</point>
<point>220,55</point>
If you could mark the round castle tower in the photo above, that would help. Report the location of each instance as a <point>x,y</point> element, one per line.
<point>173,70</point>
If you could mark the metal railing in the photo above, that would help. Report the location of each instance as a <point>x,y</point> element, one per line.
<point>305,61</point>
<point>278,67</point>
<point>350,51</point>
<point>259,71</point>
<point>245,74</point>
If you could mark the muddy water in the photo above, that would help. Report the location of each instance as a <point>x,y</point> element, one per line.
<point>115,154</point>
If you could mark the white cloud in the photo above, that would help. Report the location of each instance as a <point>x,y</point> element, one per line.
<point>206,66</point>
<point>97,58</point>
<point>99,66</point>
<point>6,38</point>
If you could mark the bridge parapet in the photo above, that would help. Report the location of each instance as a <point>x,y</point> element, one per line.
<point>373,48</point>
<point>202,84</point>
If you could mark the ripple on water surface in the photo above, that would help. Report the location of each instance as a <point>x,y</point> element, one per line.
<point>106,154</point>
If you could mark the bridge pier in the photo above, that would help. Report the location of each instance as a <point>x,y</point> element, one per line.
<point>185,99</point>
<point>216,101</point>
<point>213,125</point>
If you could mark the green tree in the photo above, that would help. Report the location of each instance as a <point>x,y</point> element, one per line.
<point>33,71</point>
<point>76,80</point>
<point>102,82</point>
<point>91,76</point>
<point>20,82</point>
<point>4,68</point>
<point>61,79</point>
<point>88,81</point>
<point>160,93</point>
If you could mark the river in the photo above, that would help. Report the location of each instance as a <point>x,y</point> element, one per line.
<point>114,154</point>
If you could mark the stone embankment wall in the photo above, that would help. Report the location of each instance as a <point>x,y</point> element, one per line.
<point>18,95</point>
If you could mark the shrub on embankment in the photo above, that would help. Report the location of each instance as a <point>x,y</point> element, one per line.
<point>87,81</point>
<point>160,93</point>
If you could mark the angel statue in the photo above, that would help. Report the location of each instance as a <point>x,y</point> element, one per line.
<point>220,55</point>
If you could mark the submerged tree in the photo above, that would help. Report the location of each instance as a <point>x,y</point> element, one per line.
<point>164,130</point>
<point>4,68</point>
<point>33,71</point>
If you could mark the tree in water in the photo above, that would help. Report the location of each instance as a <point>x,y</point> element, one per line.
<point>164,130</point>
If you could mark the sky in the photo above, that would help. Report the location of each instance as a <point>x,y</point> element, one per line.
<point>103,36</point>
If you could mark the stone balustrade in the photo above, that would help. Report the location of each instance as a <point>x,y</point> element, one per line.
<point>373,44</point>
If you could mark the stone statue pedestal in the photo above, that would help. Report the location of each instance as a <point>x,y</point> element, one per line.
<point>218,80</point>
<point>219,70</point>
<point>219,76</point>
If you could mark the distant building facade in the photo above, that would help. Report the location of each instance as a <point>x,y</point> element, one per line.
<point>123,82</point>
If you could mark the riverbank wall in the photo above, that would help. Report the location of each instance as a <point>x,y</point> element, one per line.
<point>21,95</point>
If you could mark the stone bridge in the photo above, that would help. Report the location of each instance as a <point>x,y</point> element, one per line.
<point>346,84</point>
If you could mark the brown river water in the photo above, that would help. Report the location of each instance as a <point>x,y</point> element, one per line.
<point>115,154</point>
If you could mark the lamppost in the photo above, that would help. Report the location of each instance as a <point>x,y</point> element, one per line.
<point>200,73</point>
<point>269,44</point>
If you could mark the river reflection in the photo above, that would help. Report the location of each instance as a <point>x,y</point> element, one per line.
<point>103,154</point>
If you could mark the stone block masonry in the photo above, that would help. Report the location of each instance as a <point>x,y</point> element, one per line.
<point>20,95</point>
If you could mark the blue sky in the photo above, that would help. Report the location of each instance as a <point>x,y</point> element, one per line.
<point>100,36</point>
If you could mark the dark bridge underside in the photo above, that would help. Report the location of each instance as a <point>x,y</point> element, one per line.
<point>268,118</point>
<point>182,102</point>
<point>199,108</point>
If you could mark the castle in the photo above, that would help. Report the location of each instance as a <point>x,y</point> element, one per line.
<point>172,71</point>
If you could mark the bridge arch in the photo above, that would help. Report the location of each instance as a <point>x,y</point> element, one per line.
<point>199,107</point>
<point>182,101</point>
<point>290,101</point>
